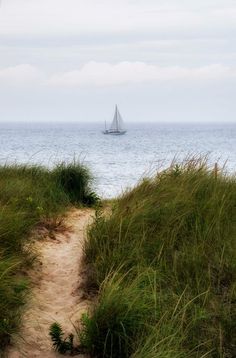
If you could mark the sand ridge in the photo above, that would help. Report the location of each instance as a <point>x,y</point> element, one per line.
<point>55,295</point>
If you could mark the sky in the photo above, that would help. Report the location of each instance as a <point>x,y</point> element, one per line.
<point>159,60</point>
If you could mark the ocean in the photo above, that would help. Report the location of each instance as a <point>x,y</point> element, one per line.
<point>117,162</point>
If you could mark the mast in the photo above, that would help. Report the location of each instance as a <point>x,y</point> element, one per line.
<point>117,126</point>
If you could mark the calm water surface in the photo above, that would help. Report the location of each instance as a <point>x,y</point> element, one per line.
<point>117,162</point>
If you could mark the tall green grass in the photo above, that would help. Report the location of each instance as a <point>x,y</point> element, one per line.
<point>29,195</point>
<point>76,182</point>
<point>164,263</point>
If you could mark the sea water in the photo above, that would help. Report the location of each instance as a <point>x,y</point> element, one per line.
<point>117,162</point>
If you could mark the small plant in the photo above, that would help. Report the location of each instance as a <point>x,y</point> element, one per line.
<point>176,171</point>
<point>92,199</point>
<point>60,344</point>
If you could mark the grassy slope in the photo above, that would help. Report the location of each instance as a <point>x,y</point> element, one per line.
<point>165,265</point>
<point>28,196</point>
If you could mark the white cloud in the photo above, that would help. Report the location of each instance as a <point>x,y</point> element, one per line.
<point>23,74</point>
<point>96,74</point>
<point>106,74</point>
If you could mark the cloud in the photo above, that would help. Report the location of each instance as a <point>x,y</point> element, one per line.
<point>106,74</point>
<point>78,17</point>
<point>23,74</point>
<point>61,35</point>
<point>103,74</point>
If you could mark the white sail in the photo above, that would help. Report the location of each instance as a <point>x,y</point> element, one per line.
<point>121,124</point>
<point>117,123</point>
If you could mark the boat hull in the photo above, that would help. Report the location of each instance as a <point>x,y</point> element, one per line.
<point>114,133</point>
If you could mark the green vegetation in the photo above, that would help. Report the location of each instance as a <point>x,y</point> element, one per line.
<point>164,263</point>
<point>29,196</point>
<point>61,344</point>
<point>75,180</point>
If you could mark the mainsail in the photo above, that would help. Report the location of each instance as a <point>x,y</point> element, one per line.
<point>117,123</point>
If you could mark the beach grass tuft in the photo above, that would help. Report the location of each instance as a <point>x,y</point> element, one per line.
<point>75,180</point>
<point>164,263</point>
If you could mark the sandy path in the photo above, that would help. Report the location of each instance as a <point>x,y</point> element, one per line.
<point>55,294</point>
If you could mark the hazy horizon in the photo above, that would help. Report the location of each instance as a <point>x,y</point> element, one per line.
<point>161,61</point>
<point>127,123</point>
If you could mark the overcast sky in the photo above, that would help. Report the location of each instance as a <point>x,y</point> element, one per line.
<point>159,60</point>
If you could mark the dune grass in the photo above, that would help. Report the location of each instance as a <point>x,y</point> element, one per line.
<point>76,182</point>
<point>164,264</point>
<point>29,195</point>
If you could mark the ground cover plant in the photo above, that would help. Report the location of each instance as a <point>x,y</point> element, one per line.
<point>29,195</point>
<point>164,264</point>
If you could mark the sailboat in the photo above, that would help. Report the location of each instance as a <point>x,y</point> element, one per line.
<point>117,125</point>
